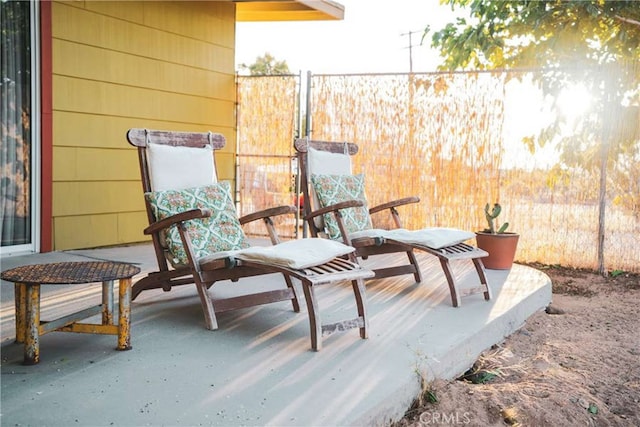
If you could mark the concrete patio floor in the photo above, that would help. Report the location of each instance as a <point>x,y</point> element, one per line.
<point>257,368</point>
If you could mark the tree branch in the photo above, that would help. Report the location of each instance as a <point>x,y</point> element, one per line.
<point>627,20</point>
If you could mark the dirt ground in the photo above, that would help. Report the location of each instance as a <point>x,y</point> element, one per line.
<point>577,364</point>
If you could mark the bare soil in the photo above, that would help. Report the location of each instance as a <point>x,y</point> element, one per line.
<point>575,364</point>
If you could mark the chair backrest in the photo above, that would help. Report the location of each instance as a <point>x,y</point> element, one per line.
<point>171,160</point>
<point>324,158</point>
<point>174,153</point>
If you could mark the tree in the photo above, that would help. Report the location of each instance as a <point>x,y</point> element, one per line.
<point>525,33</point>
<point>266,65</point>
<point>593,42</point>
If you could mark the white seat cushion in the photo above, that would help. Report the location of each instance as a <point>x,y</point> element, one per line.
<point>434,237</point>
<point>296,254</point>
<point>372,232</point>
<point>217,255</point>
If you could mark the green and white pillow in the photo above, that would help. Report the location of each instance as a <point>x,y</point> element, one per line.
<point>332,189</point>
<point>220,232</point>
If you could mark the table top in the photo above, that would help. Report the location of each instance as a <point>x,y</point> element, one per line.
<point>68,273</point>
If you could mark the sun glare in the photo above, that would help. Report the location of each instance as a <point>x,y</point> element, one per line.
<point>573,102</point>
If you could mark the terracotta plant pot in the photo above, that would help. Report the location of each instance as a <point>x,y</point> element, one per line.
<point>501,247</point>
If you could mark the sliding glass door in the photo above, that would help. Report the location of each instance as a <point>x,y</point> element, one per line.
<point>19,116</point>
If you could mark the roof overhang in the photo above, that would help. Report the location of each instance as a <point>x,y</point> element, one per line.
<point>288,10</point>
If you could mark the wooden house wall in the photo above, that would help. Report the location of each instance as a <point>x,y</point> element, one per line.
<point>118,65</point>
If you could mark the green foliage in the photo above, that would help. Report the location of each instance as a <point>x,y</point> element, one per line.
<point>595,43</point>
<point>431,396</point>
<point>479,376</point>
<point>546,33</point>
<point>266,65</point>
<point>616,273</point>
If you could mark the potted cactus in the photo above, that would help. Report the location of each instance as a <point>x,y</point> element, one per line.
<point>500,244</point>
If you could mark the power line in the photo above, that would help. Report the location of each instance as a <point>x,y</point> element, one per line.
<point>411,47</point>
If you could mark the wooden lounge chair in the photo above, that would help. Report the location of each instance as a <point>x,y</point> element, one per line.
<point>198,238</point>
<point>329,165</point>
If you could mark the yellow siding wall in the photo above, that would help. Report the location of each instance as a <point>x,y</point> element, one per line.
<point>118,65</point>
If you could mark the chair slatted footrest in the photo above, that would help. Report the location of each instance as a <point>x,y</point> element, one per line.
<point>342,326</point>
<point>336,270</point>
<point>459,251</point>
<point>472,291</point>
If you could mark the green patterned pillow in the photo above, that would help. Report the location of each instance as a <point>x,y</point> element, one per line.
<point>220,232</point>
<point>332,189</point>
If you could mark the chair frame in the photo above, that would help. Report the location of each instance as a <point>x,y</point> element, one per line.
<point>368,246</point>
<point>205,274</point>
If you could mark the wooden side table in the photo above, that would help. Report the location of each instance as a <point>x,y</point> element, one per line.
<point>28,279</point>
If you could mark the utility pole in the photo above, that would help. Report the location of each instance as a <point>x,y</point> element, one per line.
<point>410,33</point>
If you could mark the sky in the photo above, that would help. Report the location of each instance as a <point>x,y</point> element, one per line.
<point>372,38</point>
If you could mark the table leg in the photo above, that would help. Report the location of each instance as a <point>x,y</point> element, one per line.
<point>124,315</point>
<point>107,302</point>
<point>32,327</point>
<point>20,294</point>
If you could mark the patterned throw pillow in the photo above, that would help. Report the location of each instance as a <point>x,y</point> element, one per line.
<point>220,232</point>
<point>332,189</point>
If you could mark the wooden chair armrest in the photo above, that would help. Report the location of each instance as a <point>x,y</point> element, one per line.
<point>266,213</point>
<point>334,207</point>
<point>174,219</point>
<point>335,210</point>
<point>394,204</point>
